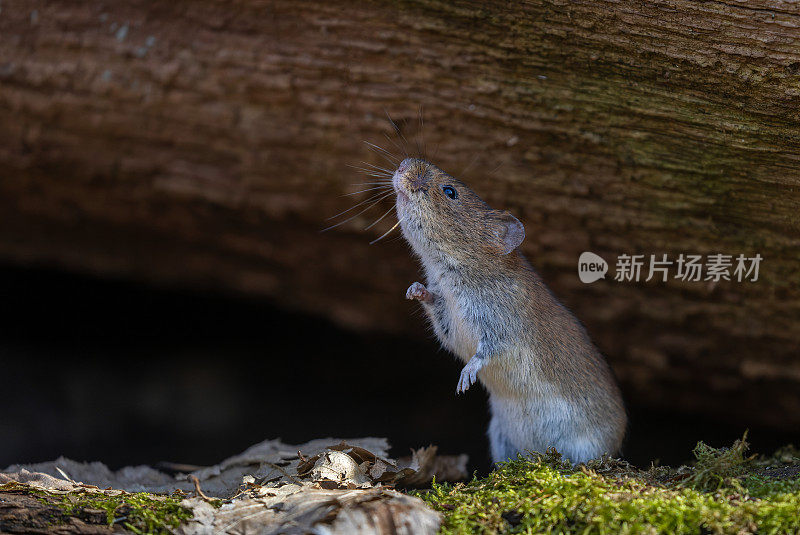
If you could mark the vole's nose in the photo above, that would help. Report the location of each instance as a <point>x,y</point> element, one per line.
<point>405,165</point>
<point>413,174</point>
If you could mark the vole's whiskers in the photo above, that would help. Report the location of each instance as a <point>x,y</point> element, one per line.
<point>393,142</point>
<point>381,187</point>
<point>379,219</point>
<point>379,171</point>
<point>386,182</point>
<point>386,233</point>
<point>386,185</point>
<point>379,168</point>
<point>376,197</point>
<point>393,239</point>
<point>380,151</point>
<point>399,133</point>
<point>370,172</point>
<point>421,138</point>
<point>382,197</point>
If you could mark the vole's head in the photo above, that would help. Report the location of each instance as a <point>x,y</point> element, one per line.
<point>441,215</point>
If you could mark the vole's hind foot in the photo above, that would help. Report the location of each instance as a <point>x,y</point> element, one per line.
<point>419,292</point>
<point>469,374</point>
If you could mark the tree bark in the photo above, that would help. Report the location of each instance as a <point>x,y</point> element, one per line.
<point>204,143</point>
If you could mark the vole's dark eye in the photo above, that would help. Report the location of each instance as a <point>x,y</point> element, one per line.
<point>450,191</point>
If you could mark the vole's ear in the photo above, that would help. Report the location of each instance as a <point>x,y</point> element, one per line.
<point>510,232</point>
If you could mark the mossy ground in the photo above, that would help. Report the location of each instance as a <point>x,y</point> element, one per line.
<point>139,512</point>
<point>723,492</point>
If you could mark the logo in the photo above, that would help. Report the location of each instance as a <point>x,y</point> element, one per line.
<point>591,267</point>
<point>712,268</point>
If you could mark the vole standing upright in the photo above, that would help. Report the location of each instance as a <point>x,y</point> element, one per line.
<point>548,385</point>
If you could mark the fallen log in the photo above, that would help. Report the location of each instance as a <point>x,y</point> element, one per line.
<point>205,143</point>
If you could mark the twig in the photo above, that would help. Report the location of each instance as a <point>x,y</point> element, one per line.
<point>199,492</point>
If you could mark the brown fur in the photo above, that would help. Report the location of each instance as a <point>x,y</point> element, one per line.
<point>492,305</point>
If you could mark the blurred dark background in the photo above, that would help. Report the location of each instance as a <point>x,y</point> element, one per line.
<point>97,369</point>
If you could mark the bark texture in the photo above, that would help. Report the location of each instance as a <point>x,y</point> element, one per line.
<point>204,143</point>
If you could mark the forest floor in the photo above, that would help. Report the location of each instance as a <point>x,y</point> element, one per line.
<point>724,491</point>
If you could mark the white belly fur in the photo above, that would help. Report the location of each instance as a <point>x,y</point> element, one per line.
<point>463,337</point>
<point>536,423</point>
<point>527,414</point>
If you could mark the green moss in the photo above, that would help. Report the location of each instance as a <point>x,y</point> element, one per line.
<point>138,512</point>
<point>717,467</point>
<point>723,492</point>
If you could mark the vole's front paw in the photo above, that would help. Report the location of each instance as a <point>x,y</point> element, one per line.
<point>469,374</point>
<point>419,292</point>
